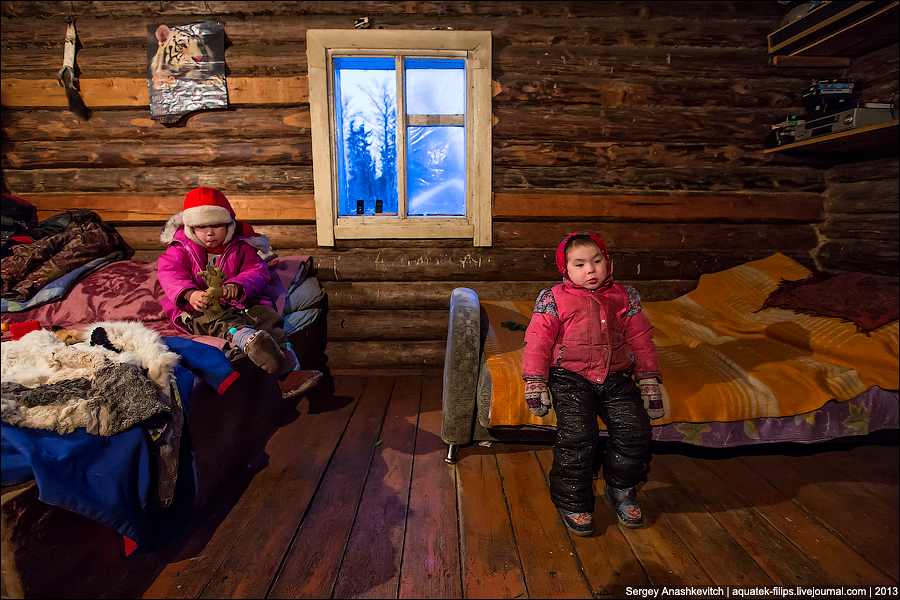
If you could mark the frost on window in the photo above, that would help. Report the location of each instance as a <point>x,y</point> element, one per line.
<point>436,177</point>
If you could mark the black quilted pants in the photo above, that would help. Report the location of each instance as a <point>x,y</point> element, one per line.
<point>578,402</point>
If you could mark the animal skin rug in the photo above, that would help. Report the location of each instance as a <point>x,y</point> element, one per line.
<point>48,384</point>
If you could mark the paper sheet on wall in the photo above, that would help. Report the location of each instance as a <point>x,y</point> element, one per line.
<point>185,69</point>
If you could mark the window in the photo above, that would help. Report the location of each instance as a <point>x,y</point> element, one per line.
<point>401,132</point>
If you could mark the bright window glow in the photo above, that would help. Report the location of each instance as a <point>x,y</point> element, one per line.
<point>367,132</point>
<point>436,177</point>
<point>435,86</point>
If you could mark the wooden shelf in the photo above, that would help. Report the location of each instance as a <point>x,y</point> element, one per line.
<point>838,29</point>
<point>881,137</point>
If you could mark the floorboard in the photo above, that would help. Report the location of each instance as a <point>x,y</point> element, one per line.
<point>352,498</point>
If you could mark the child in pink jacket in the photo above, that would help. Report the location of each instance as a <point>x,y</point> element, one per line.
<point>206,235</point>
<point>587,342</point>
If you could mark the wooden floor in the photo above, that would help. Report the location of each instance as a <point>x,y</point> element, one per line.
<point>352,498</point>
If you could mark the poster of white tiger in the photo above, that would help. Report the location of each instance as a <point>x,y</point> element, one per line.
<point>185,69</point>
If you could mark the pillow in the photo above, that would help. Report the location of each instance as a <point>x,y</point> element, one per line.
<point>856,297</point>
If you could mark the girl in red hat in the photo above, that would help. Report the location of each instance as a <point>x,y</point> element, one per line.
<point>205,242</point>
<point>587,343</point>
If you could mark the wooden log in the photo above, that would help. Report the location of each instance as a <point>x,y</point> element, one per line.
<point>435,295</point>
<point>882,168</point>
<point>723,179</point>
<point>380,324</point>
<point>53,125</point>
<point>286,60</point>
<point>287,179</point>
<point>491,264</point>
<point>712,125</point>
<point>134,207</point>
<point>802,207</point>
<point>544,29</point>
<point>646,91</point>
<point>117,92</point>
<point>877,196</point>
<point>153,153</point>
<point>639,60</point>
<point>517,152</point>
<point>858,255</point>
<point>881,229</point>
<point>403,354</point>
<point>660,234</point>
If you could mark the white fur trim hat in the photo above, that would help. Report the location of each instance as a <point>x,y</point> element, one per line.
<point>206,206</point>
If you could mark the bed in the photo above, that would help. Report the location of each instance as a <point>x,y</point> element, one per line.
<point>734,373</point>
<point>230,409</point>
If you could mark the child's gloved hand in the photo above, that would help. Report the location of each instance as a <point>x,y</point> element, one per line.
<point>537,397</point>
<point>652,397</point>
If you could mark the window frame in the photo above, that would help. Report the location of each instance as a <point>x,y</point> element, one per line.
<point>321,45</point>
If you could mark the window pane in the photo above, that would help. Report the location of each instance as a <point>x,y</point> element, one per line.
<point>366,94</point>
<point>436,177</point>
<point>435,86</point>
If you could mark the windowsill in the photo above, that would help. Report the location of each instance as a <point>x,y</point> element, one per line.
<point>432,228</point>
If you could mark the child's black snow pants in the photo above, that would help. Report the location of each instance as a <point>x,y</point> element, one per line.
<point>578,402</point>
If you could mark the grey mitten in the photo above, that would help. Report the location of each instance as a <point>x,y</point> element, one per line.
<point>652,397</point>
<point>537,397</point>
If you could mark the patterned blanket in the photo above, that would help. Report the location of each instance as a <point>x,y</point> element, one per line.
<point>734,372</point>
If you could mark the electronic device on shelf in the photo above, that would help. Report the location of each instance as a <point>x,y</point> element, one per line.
<point>853,118</point>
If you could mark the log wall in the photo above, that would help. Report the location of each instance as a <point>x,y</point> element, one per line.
<point>642,121</point>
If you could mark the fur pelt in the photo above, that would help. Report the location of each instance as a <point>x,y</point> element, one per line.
<point>39,358</point>
<point>49,384</point>
<point>119,396</point>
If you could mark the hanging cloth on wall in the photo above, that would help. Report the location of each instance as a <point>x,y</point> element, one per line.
<point>68,77</point>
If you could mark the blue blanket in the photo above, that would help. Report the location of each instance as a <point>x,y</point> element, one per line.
<point>107,479</point>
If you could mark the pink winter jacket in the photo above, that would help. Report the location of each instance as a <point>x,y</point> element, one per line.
<point>182,261</point>
<point>592,333</point>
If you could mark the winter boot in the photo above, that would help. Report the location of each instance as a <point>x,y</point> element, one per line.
<point>579,523</point>
<point>259,346</point>
<point>627,510</point>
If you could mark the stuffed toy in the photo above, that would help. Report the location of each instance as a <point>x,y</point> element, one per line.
<point>214,279</point>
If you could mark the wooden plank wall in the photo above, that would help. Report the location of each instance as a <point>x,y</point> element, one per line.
<point>860,230</point>
<point>642,121</point>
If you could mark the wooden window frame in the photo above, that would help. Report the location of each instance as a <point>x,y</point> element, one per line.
<point>321,45</point>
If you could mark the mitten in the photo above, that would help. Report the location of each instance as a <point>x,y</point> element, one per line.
<point>652,397</point>
<point>537,397</point>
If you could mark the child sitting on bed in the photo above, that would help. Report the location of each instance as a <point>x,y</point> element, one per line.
<point>205,236</point>
<point>586,340</point>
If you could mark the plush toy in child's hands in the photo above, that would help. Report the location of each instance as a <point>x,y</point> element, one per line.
<point>214,278</point>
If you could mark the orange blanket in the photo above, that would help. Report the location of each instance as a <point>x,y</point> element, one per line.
<point>722,357</point>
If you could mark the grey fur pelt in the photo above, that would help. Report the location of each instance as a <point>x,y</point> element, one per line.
<point>119,396</point>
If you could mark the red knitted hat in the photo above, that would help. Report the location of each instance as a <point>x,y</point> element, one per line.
<point>206,206</point>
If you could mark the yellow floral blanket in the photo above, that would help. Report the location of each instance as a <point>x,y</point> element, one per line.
<point>724,358</point>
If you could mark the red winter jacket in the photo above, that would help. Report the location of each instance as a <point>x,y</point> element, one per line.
<point>592,333</point>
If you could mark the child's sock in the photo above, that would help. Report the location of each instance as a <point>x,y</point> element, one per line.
<point>290,360</point>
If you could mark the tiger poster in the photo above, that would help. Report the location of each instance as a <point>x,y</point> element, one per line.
<point>185,69</point>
